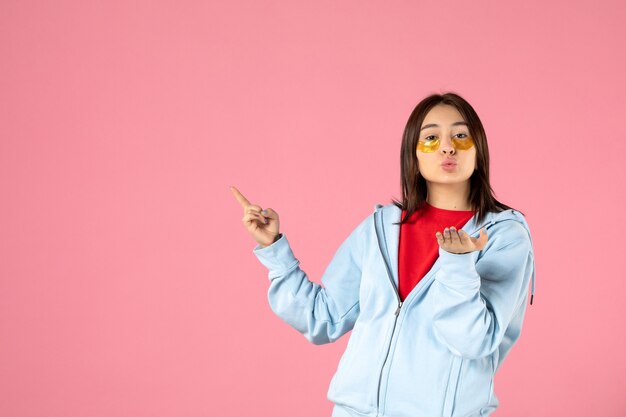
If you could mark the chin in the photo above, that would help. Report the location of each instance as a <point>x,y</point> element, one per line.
<point>449,178</point>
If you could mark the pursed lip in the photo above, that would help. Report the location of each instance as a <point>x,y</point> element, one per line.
<point>448,162</point>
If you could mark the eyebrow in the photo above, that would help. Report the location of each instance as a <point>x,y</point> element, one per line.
<point>435,125</point>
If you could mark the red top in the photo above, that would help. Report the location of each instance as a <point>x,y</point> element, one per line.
<point>419,249</point>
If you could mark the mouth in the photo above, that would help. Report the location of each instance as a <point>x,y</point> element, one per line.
<point>449,164</point>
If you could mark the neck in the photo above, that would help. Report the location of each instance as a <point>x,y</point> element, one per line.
<point>449,196</point>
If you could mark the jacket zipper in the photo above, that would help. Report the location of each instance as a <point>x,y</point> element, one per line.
<point>396,313</point>
<point>400,302</point>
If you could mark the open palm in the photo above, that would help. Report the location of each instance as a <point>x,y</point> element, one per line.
<point>460,242</point>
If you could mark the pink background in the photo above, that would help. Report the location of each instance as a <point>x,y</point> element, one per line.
<point>128,286</point>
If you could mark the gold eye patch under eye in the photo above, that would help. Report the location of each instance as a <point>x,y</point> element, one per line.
<point>432,145</point>
<point>463,143</point>
<point>428,146</point>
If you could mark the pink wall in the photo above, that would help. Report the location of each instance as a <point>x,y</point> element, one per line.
<point>128,286</point>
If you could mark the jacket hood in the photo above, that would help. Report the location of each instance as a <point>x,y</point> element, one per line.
<point>391,214</point>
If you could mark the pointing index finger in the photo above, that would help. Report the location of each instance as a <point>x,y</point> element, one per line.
<point>242,200</point>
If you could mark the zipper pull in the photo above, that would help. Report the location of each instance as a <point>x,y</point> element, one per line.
<point>398,309</point>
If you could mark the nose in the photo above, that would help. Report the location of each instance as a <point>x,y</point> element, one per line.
<point>447,148</point>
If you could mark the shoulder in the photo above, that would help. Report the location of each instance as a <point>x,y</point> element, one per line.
<point>364,223</point>
<point>509,228</point>
<point>367,223</point>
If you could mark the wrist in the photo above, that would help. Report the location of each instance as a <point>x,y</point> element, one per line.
<point>278,236</point>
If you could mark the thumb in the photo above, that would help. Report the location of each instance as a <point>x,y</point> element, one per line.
<point>269,213</point>
<point>482,239</point>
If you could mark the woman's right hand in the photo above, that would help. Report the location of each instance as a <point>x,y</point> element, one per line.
<point>261,224</point>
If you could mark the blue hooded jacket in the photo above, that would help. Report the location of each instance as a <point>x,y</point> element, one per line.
<point>436,353</point>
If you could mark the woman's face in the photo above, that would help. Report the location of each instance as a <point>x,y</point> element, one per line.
<point>444,136</point>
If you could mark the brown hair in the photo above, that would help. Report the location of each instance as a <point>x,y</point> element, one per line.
<point>414,187</point>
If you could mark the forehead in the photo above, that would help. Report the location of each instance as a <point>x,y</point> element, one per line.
<point>442,114</point>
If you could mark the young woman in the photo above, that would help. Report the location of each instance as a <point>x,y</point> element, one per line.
<point>434,288</point>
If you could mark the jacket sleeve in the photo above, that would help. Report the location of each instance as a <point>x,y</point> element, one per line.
<point>476,300</point>
<point>322,313</point>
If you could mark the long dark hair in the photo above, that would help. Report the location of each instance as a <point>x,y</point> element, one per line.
<point>414,187</point>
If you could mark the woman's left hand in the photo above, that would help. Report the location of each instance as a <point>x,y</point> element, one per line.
<point>460,242</point>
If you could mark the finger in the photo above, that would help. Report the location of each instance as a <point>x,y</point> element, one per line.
<point>251,217</point>
<point>462,237</point>
<point>482,240</point>
<point>261,218</point>
<point>439,237</point>
<point>454,235</point>
<point>253,208</point>
<point>270,213</point>
<point>240,198</point>
<point>446,235</point>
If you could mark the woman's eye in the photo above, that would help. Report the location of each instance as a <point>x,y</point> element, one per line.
<point>463,135</point>
<point>427,137</point>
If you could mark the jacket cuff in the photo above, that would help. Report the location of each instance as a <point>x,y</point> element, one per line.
<point>458,269</point>
<point>277,257</point>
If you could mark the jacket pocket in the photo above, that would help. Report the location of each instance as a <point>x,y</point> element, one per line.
<point>475,386</point>
<point>344,367</point>
<point>453,380</point>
